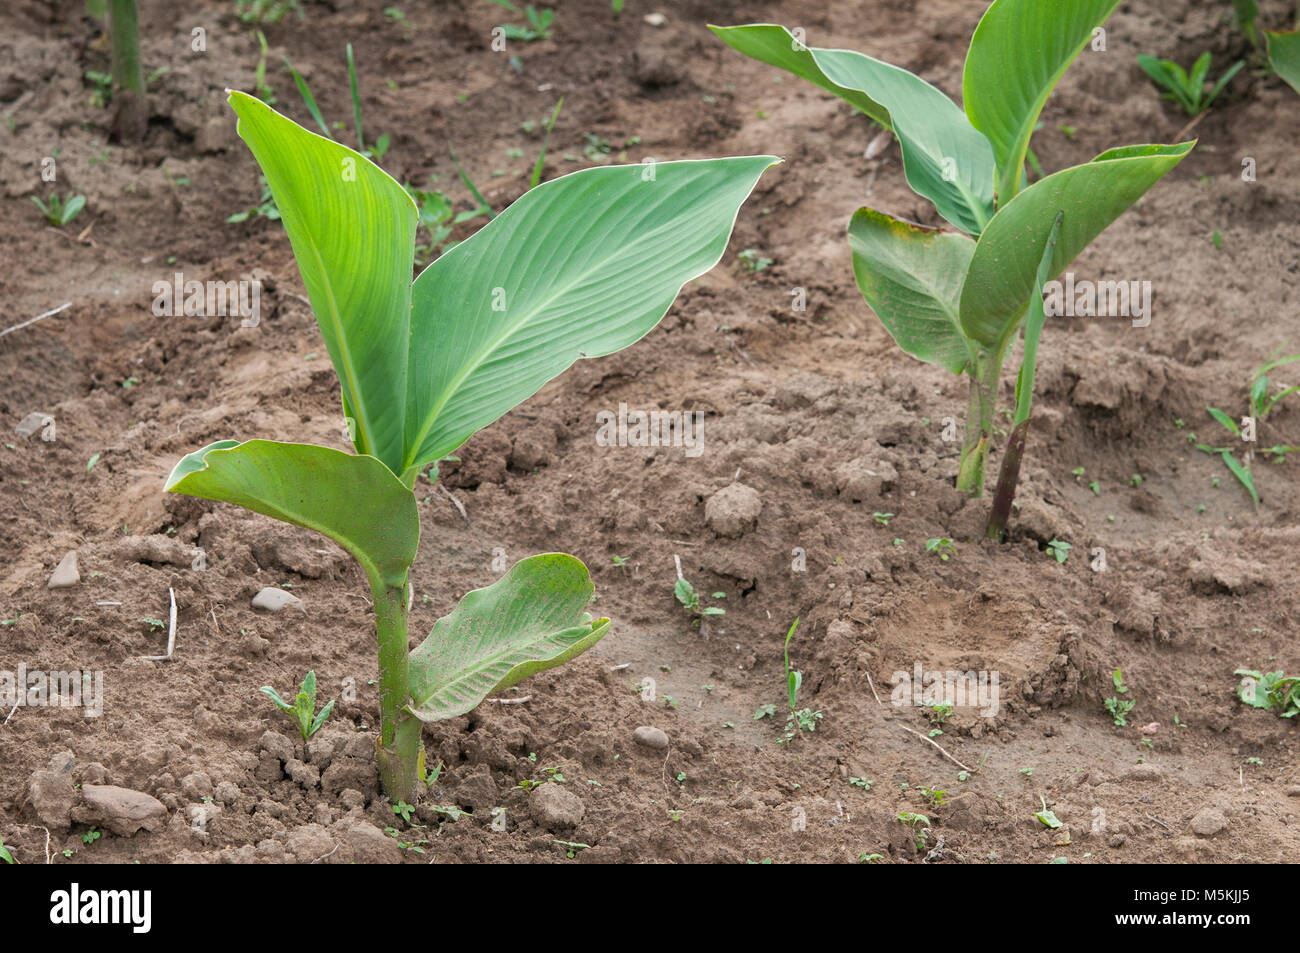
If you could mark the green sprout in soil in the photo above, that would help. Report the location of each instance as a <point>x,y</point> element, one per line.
<point>1261,401</point>
<point>690,600</point>
<point>539,23</point>
<point>59,212</point>
<point>1059,549</point>
<point>942,546</point>
<point>1047,817</point>
<point>800,719</point>
<point>1186,88</point>
<point>5,855</point>
<point>425,364</point>
<point>959,299</point>
<point>920,825</point>
<point>90,837</point>
<point>1271,691</point>
<point>882,518</point>
<point>303,709</point>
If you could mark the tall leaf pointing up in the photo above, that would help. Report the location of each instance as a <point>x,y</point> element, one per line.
<point>355,247</point>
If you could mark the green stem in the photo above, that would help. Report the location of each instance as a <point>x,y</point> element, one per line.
<point>399,731</point>
<point>980,413</point>
<point>130,119</point>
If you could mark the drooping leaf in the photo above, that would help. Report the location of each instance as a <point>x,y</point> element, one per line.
<point>1001,274</point>
<point>272,694</point>
<point>352,228</point>
<point>608,249</point>
<point>911,276</point>
<point>531,619</point>
<point>1284,54</point>
<point>1018,53</point>
<point>945,158</point>
<point>353,499</point>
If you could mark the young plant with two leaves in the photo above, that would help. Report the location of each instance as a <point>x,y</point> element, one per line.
<point>581,266</point>
<point>958,297</point>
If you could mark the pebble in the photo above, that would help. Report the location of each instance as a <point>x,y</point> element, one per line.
<point>51,792</point>
<point>1208,822</point>
<point>122,810</point>
<point>65,575</point>
<point>273,600</point>
<point>733,510</point>
<point>651,737</point>
<point>554,808</point>
<point>655,19</point>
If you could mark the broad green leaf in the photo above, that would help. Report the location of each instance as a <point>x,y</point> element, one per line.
<point>1001,274</point>
<point>352,228</point>
<point>944,157</point>
<point>530,620</point>
<point>354,500</point>
<point>1284,54</point>
<point>1033,331</point>
<point>580,266</point>
<point>911,276</point>
<point>1018,53</point>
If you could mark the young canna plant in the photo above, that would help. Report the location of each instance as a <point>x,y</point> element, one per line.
<point>581,266</point>
<point>958,297</point>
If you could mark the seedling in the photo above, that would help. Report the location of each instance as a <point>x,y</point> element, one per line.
<point>59,212</point>
<point>1059,549</point>
<point>303,708</point>
<point>1261,401</point>
<point>1047,817</point>
<point>882,518</point>
<point>1271,691</point>
<point>539,23</point>
<point>380,146</point>
<point>1185,88</point>
<point>690,599</point>
<point>425,364</point>
<point>266,11</point>
<point>403,810</point>
<point>265,207</point>
<point>5,855</point>
<point>800,719</point>
<point>754,261</point>
<point>1118,709</point>
<point>940,713</point>
<point>863,783</point>
<point>959,299</point>
<point>1237,468</point>
<point>90,837</point>
<point>941,546</point>
<point>920,825</point>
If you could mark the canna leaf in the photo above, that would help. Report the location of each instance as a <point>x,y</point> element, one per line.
<point>944,157</point>
<point>352,228</point>
<point>1002,270</point>
<point>1284,54</point>
<point>1020,50</point>
<point>530,620</point>
<point>911,276</point>
<point>355,500</point>
<point>610,249</point>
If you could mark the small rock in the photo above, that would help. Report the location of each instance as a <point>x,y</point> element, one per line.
<point>65,574</point>
<point>655,19</point>
<point>554,808</point>
<point>51,792</point>
<point>1208,822</point>
<point>226,792</point>
<point>196,786</point>
<point>477,791</point>
<point>651,737</point>
<point>277,744</point>
<point>122,810</point>
<point>32,423</point>
<point>273,600</point>
<point>733,510</point>
<point>1118,840</point>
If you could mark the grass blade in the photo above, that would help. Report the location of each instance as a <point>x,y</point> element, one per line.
<point>308,99</point>
<point>546,138</point>
<point>356,99</point>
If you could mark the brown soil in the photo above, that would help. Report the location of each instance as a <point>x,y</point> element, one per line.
<point>816,410</point>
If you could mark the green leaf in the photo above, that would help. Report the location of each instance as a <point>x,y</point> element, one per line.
<point>354,500</point>
<point>352,228</point>
<point>911,276</point>
<point>275,697</point>
<point>1224,420</point>
<point>607,250</point>
<point>320,719</point>
<point>945,158</point>
<point>1033,331</point>
<point>1002,270</point>
<point>309,688</point>
<point>1284,54</point>
<point>1018,53</point>
<point>530,620</point>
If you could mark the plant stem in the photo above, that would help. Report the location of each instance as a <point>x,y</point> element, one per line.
<point>1008,476</point>
<point>980,412</point>
<point>398,751</point>
<point>130,118</point>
